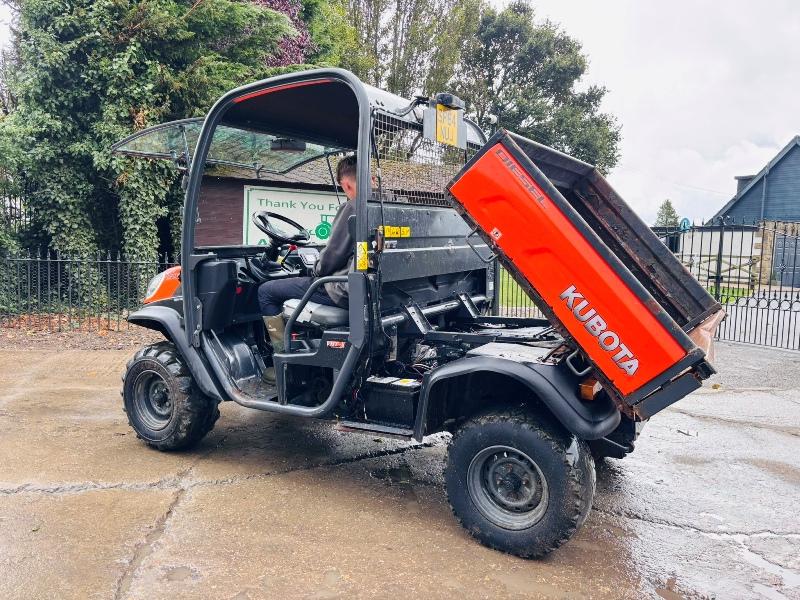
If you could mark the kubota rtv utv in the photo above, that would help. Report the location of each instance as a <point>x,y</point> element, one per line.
<point>419,349</point>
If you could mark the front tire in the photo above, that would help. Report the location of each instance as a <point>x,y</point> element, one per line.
<point>164,406</point>
<point>518,482</point>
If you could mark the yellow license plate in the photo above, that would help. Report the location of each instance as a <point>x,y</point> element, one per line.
<point>446,125</point>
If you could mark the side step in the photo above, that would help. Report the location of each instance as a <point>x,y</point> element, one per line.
<point>257,388</point>
<point>384,430</point>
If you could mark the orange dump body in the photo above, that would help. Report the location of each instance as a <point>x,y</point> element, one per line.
<point>571,273</point>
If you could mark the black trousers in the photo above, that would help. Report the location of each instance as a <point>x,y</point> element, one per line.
<point>272,294</point>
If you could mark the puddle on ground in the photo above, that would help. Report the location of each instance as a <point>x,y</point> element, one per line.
<point>785,471</point>
<point>393,475</point>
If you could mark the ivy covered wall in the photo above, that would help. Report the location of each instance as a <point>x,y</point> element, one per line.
<point>87,73</point>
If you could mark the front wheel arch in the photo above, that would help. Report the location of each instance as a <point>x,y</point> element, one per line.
<point>169,323</point>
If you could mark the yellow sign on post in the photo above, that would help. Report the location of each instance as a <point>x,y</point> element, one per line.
<point>446,125</point>
<point>362,256</point>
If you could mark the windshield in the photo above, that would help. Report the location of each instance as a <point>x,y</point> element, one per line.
<point>254,151</point>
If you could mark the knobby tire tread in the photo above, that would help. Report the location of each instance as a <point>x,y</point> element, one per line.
<point>197,414</point>
<point>581,477</point>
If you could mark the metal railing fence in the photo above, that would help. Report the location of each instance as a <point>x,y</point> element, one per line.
<point>49,291</point>
<point>15,212</point>
<point>752,269</point>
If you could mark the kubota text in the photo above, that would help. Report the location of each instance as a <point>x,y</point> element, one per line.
<point>597,326</point>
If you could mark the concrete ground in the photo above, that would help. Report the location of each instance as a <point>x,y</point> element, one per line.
<point>271,507</point>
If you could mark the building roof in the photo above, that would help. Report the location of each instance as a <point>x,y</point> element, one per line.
<point>757,177</point>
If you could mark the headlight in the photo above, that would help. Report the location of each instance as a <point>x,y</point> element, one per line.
<point>164,285</point>
<point>153,286</point>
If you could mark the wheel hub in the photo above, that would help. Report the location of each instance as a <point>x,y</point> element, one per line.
<point>152,399</point>
<point>507,487</point>
<point>159,398</point>
<point>512,482</point>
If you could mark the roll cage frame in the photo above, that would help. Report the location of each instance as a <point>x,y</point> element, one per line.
<point>190,257</point>
<point>368,100</point>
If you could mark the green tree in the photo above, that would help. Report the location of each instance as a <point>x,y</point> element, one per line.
<point>666,216</point>
<point>526,74</point>
<point>90,72</point>
<point>409,46</point>
<point>503,63</point>
<point>334,38</point>
<point>460,26</point>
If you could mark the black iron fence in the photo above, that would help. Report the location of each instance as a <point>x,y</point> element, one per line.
<point>48,291</point>
<point>754,272</point>
<point>15,213</point>
<point>752,269</point>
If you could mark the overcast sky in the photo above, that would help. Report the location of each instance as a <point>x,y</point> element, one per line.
<point>704,90</point>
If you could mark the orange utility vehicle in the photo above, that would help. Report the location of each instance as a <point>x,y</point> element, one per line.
<point>417,347</point>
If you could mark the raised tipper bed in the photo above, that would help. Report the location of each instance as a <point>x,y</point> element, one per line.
<point>638,320</point>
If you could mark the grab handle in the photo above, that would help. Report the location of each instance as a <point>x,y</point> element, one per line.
<point>572,368</point>
<point>488,260</point>
<point>287,333</point>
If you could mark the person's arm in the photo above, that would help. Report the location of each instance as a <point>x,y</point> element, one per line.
<point>340,244</point>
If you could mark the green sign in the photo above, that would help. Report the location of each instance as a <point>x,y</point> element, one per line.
<point>313,210</point>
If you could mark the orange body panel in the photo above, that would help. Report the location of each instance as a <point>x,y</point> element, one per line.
<point>604,316</point>
<point>168,287</point>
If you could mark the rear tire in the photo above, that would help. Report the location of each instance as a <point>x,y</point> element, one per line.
<point>518,482</point>
<point>164,406</point>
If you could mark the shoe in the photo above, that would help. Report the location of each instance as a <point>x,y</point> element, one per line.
<point>275,327</point>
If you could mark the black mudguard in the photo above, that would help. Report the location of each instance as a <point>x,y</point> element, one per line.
<point>554,386</point>
<point>170,323</point>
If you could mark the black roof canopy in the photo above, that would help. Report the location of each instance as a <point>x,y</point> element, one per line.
<point>323,110</point>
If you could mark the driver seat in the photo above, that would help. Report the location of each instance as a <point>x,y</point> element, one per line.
<point>316,314</point>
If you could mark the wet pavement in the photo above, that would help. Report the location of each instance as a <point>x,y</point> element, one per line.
<point>269,507</point>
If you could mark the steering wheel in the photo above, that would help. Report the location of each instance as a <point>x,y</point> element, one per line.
<point>261,219</point>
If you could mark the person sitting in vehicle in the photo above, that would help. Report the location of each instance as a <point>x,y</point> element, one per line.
<point>335,259</point>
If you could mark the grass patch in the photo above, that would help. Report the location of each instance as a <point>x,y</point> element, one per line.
<point>511,295</point>
<point>730,292</point>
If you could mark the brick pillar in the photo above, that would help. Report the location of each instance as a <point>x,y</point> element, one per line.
<point>764,251</point>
